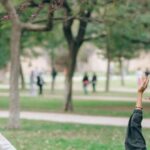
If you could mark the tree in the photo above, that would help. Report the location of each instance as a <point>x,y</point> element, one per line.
<point>121,48</point>
<point>75,39</point>
<point>125,31</point>
<point>17,27</point>
<point>133,27</point>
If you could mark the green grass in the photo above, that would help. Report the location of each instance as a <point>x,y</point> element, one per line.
<point>98,93</point>
<point>88,107</point>
<point>38,135</point>
<point>110,94</point>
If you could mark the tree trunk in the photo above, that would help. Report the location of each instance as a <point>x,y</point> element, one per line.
<point>14,114</point>
<point>22,77</point>
<point>17,26</point>
<point>108,76</point>
<point>68,94</point>
<point>121,72</point>
<point>69,82</point>
<point>74,43</point>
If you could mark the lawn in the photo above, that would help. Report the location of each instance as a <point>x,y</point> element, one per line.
<point>38,135</point>
<point>88,107</point>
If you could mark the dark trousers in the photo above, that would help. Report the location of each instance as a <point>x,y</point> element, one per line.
<point>134,138</point>
<point>40,89</point>
<point>85,89</point>
<point>94,87</point>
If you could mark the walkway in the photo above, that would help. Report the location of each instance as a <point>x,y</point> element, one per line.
<point>81,97</point>
<point>81,119</point>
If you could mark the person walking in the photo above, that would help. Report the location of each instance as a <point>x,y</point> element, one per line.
<point>85,82</point>
<point>94,82</point>
<point>53,74</point>
<point>134,138</point>
<point>40,83</point>
<point>32,83</point>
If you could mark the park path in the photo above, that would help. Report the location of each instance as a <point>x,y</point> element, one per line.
<point>76,119</point>
<point>94,97</point>
<point>81,97</point>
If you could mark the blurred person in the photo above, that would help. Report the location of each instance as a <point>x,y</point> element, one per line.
<point>94,82</point>
<point>53,74</point>
<point>32,83</point>
<point>134,138</point>
<point>85,82</point>
<point>40,83</point>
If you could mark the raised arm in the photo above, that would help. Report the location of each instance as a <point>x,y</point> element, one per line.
<point>142,87</point>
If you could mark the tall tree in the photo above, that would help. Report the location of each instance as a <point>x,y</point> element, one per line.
<point>17,27</point>
<point>125,31</point>
<point>75,39</point>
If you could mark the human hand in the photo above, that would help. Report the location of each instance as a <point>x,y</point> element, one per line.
<point>143,84</point>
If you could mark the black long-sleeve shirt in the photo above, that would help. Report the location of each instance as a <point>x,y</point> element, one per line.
<point>134,137</point>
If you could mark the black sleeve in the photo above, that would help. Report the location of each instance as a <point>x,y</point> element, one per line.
<point>134,138</point>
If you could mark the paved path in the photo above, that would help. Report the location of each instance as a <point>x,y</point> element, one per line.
<point>81,97</point>
<point>81,119</point>
<point>98,98</point>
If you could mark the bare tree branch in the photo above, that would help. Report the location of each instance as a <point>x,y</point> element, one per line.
<point>11,10</point>
<point>82,27</point>
<point>67,24</point>
<point>37,27</point>
<point>27,26</point>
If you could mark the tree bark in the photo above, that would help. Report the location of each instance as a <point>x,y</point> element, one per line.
<point>108,76</point>
<point>68,94</point>
<point>69,82</point>
<point>14,115</point>
<point>121,72</point>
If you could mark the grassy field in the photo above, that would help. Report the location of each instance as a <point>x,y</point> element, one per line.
<point>100,93</point>
<point>88,107</point>
<point>37,135</point>
<point>81,93</point>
